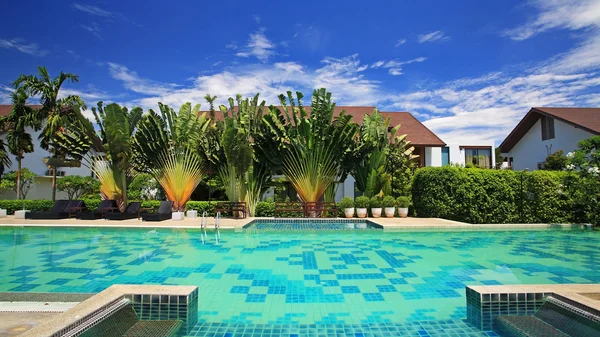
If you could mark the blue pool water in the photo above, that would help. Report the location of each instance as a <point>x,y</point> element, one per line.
<point>345,282</point>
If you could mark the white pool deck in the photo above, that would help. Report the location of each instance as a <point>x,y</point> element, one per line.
<point>227,223</point>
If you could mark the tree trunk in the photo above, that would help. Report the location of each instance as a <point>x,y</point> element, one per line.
<point>124,189</point>
<point>19,175</point>
<point>53,183</point>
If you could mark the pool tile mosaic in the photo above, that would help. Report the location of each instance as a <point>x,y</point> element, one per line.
<point>256,281</point>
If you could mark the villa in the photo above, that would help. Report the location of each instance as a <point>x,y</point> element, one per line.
<point>430,148</point>
<point>544,131</point>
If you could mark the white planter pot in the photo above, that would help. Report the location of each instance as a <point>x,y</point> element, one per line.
<point>361,212</point>
<point>2,213</point>
<point>376,212</point>
<point>349,212</point>
<point>389,212</point>
<point>403,212</point>
<point>20,214</point>
<point>192,214</point>
<point>177,216</point>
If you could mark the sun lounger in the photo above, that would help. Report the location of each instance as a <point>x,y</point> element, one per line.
<point>99,212</point>
<point>164,212</point>
<point>60,210</point>
<point>131,212</point>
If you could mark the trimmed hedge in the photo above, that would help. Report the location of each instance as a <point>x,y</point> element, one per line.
<point>491,196</point>
<point>263,209</point>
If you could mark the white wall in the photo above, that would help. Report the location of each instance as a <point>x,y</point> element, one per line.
<point>33,161</point>
<point>433,156</point>
<point>531,149</point>
<point>457,154</point>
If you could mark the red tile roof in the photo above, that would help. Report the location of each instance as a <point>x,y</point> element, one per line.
<point>417,133</point>
<point>5,109</point>
<point>587,119</point>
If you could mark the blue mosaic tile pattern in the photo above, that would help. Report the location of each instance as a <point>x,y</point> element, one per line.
<point>315,281</point>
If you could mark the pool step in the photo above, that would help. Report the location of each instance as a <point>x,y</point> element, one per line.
<point>526,326</point>
<point>555,317</point>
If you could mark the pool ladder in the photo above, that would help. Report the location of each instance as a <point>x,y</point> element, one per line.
<point>218,220</point>
<point>203,220</point>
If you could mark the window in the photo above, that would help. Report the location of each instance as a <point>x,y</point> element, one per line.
<point>478,157</point>
<point>445,156</point>
<point>547,128</point>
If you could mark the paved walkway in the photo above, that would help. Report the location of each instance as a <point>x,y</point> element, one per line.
<point>226,223</point>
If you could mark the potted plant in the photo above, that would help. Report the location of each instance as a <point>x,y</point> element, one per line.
<point>376,207</point>
<point>347,204</point>
<point>362,203</point>
<point>403,203</point>
<point>389,206</point>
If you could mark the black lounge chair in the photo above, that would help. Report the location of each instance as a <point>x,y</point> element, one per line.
<point>131,212</point>
<point>105,206</point>
<point>163,213</point>
<point>60,210</point>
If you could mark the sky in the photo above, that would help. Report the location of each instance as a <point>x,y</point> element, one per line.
<point>469,70</point>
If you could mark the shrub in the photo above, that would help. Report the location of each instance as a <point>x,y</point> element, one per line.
<point>389,201</point>
<point>78,186</point>
<point>265,209</point>
<point>403,201</point>
<point>362,202</point>
<point>491,196</point>
<point>33,205</point>
<point>143,187</point>
<point>27,181</point>
<point>346,202</point>
<point>556,161</point>
<point>376,202</point>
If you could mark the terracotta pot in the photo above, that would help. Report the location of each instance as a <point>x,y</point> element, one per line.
<point>361,212</point>
<point>403,212</point>
<point>349,212</point>
<point>376,212</point>
<point>389,212</point>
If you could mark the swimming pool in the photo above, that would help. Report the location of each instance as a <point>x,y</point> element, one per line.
<point>302,283</point>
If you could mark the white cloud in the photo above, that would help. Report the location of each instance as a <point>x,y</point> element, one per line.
<point>22,46</point>
<point>289,67</point>
<point>93,10</point>
<point>5,92</point>
<point>93,28</point>
<point>566,14</point>
<point>258,46</point>
<point>256,18</point>
<point>394,66</point>
<point>135,83</point>
<point>438,35</point>
<point>342,76</point>
<point>400,42</point>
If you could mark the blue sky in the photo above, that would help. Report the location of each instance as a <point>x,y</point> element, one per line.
<point>468,69</point>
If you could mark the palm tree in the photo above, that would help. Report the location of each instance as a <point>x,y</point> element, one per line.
<point>309,149</point>
<point>55,111</point>
<point>111,145</point>
<point>166,146</point>
<point>4,159</point>
<point>18,139</point>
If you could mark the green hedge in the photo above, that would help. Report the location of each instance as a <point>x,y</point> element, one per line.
<point>33,205</point>
<point>263,209</point>
<point>491,196</point>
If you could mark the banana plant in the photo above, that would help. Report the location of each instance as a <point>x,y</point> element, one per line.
<point>309,149</point>
<point>108,150</point>
<point>244,177</point>
<point>166,146</point>
<point>371,152</point>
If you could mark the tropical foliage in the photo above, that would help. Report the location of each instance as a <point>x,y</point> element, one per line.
<point>27,179</point>
<point>14,124</point>
<point>243,176</point>
<point>77,186</point>
<point>166,146</point>
<point>378,153</point>
<point>54,113</point>
<point>111,146</point>
<point>309,149</point>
